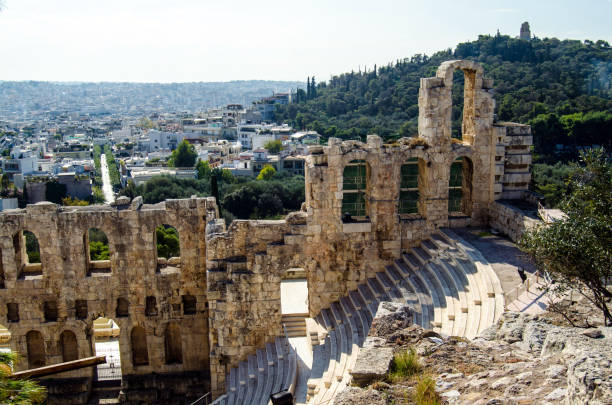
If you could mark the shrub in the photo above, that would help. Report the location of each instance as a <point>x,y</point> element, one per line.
<point>405,364</point>
<point>425,392</point>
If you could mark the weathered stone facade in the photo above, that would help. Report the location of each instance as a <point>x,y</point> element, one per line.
<point>235,274</point>
<point>64,281</point>
<point>247,263</point>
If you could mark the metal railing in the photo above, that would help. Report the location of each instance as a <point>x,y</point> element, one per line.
<point>203,400</point>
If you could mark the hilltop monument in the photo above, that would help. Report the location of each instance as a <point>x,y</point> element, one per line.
<point>525,31</point>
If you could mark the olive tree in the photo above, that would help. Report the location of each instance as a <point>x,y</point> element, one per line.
<point>577,250</point>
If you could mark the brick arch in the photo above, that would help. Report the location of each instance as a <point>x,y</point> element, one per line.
<point>173,343</point>
<point>69,346</point>
<point>36,349</point>
<point>140,351</point>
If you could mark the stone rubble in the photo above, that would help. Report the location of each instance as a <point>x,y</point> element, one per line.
<point>525,359</point>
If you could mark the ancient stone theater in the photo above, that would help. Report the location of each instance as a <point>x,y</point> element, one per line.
<point>380,222</point>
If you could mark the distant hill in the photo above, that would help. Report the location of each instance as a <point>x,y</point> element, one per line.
<point>562,88</point>
<point>30,97</point>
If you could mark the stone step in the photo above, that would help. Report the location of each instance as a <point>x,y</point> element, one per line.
<point>252,374</point>
<point>460,302</point>
<point>427,313</point>
<point>420,278</point>
<point>376,288</point>
<point>447,297</point>
<point>385,281</point>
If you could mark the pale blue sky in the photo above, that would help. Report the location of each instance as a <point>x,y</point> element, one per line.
<point>191,40</point>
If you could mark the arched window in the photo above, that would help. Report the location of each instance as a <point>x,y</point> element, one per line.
<point>69,346</point>
<point>354,186</point>
<point>32,247</point>
<point>174,347</point>
<point>460,186</point>
<point>140,352</point>
<point>36,349</point>
<point>409,187</point>
<point>123,307</point>
<point>27,254</point>
<point>168,248</point>
<point>98,251</point>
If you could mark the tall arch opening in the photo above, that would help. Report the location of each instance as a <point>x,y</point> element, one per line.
<point>460,187</point>
<point>27,255</point>
<point>106,343</point>
<point>463,99</point>
<point>168,248</point>
<point>69,346</point>
<point>140,351</point>
<point>97,251</point>
<point>36,349</point>
<point>173,343</point>
<point>354,189</point>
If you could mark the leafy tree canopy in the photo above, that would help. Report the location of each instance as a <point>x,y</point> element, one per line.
<point>266,173</point>
<point>576,250</point>
<point>274,146</point>
<point>184,155</point>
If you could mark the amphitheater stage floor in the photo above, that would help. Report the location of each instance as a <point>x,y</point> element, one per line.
<point>501,253</point>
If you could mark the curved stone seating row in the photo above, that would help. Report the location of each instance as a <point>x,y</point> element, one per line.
<point>447,283</point>
<point>270,370</point>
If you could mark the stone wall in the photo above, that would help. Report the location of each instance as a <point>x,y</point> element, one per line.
<point>134,275</point>
<point>510,220</point>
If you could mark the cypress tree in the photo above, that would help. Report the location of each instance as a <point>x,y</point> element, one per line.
<point>308,88</point>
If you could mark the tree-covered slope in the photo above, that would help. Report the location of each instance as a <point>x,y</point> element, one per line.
<point>562,88</point>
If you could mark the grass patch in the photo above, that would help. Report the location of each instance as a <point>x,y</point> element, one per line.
<point>405,364</point>
<point>425,392</point>
<point>484,234</point>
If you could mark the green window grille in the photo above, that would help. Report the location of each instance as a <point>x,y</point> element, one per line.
<point>409,188</point>
<point>354,185</point>
<point>455,185</point>
<point>456,175</point>
<point>354,177</point>
<point>409,202</point>
<point>354,204</point>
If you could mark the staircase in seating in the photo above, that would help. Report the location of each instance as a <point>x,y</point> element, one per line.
<point>447,283</point>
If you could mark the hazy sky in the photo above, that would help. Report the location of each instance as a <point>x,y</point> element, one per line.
<point>220,40</point>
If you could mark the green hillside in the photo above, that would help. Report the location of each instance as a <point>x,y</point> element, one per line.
<point>562,88</point>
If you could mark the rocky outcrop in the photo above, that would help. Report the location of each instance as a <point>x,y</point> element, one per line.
<point>523,359</point>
